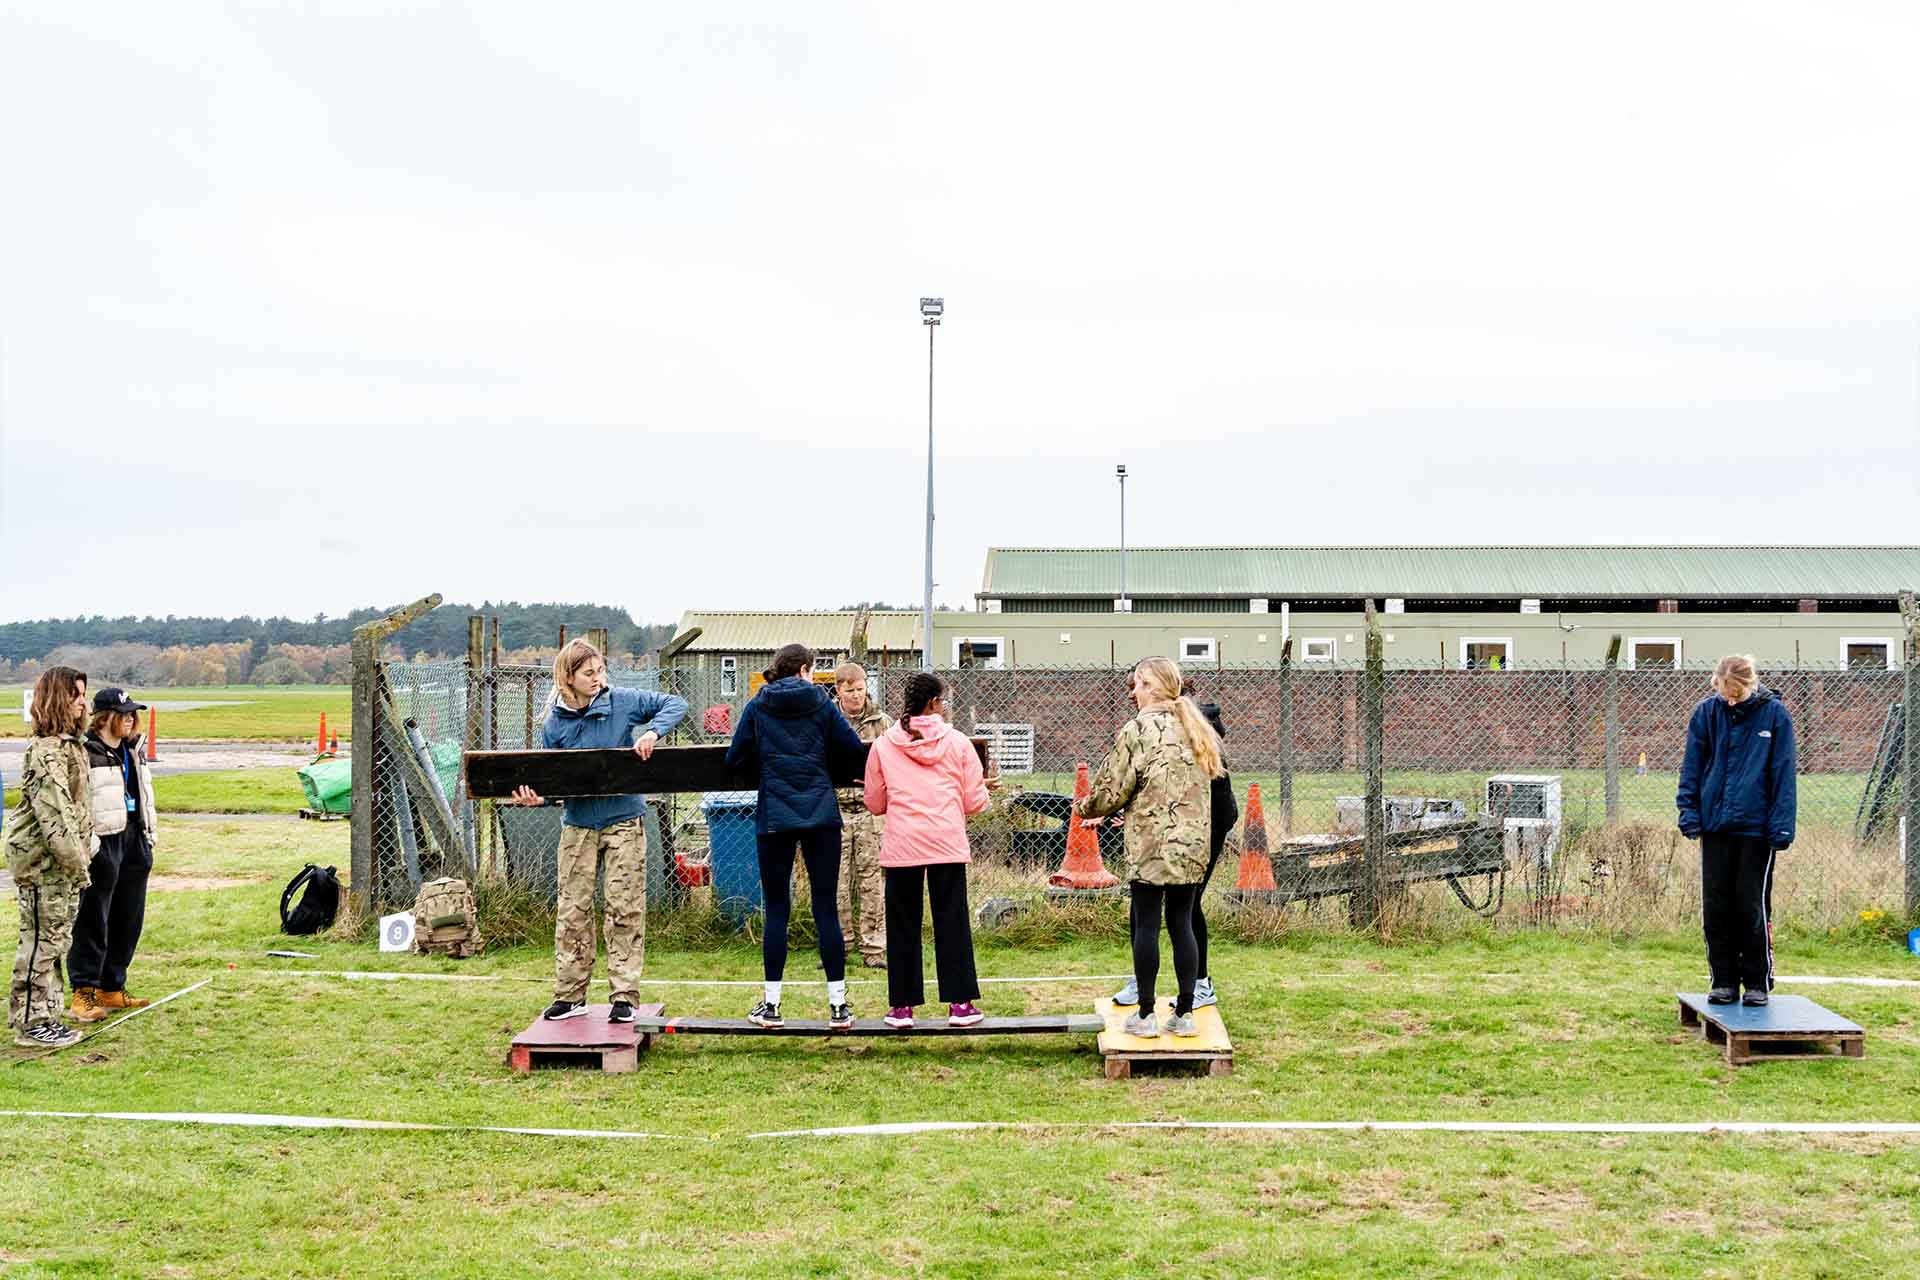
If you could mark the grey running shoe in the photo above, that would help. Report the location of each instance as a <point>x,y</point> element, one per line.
<point>1753,999</point>
<point>1722,995</point>
<point>1203,993</point>
<point>1179,1025</point>
<point>47,1035</point>
<point>1129,994</point>
<point>1144,1027</point>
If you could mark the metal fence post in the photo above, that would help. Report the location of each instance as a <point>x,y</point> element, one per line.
<point>1613,731</point>
<point>1368,901</point>
<point>1910,729</point>
<point>1286,737</point>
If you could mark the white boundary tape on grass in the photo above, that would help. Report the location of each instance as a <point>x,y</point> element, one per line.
<point>914,1128</point>
<point>1818,981</point>
<point>253,1120</point>
<point>372,975</point>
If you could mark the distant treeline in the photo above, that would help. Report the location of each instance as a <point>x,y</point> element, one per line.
<point>442,632</point>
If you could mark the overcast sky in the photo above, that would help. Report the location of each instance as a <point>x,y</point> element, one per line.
<point>346,304</point>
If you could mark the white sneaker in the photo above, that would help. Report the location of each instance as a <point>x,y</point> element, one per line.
<point>1129,994</point>
<point>1180,1025</point>
<point>1203,993</point>
<point>1144,1027</point>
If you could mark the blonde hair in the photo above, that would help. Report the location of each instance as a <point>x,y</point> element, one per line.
<point>1737,671</point>
<point>53,694</point>
<point>1164,682</point>
<point>849,673</point>
<point>573,655</point>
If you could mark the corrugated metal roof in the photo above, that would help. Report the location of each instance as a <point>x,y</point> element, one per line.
<point>725,631</point>
<point>1784,572</point>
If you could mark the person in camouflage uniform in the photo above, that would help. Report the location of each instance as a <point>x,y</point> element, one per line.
<point>1161,771</point>
<point>49,844</point>
<point>861,831</point>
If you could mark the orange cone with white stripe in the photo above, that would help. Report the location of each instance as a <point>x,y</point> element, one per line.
<point>1256,867</point>
<point>1082,868</point>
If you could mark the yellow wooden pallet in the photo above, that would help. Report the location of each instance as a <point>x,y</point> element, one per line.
<point>1122,1051</point>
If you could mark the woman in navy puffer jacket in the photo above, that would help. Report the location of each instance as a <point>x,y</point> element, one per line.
<point>795,740</point>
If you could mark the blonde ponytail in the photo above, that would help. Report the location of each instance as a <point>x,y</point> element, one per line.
<point>1163,680</point>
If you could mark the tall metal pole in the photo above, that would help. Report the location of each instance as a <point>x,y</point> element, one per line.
<point>931,319</point>
<point>1121,471</point>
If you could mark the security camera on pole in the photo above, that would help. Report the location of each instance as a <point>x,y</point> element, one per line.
<point>930,312</point>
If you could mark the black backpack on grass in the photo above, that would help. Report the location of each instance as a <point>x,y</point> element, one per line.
<point>317,906</point>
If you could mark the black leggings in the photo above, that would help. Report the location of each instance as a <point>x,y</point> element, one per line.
<point>1178,902</point>
<point>820,846</point>
<point>1199,917</point>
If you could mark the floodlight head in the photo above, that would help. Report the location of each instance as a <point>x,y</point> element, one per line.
<point>932,309</point>
<point>1121,471</point>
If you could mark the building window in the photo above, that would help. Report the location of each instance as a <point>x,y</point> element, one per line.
<point>1486,653</point>
<point>978,651</point>
<point>729,677</point>
<point>1198,649</point>
<point>1653,653</point>
<point>1867,653</point>
<point>1319,650</point>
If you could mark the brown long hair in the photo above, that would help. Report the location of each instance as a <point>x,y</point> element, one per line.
<point>53,695</point>
<point>922,688</point>
<point>790,660</point>
<point>1164,680</point>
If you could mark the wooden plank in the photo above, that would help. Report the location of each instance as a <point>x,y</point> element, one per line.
<point>1785,1028</point>
<point>557,775</point>
<point>589,1040</point>
<point>1045,1024</point>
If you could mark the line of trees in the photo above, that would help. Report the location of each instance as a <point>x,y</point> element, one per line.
<point>246,650</point>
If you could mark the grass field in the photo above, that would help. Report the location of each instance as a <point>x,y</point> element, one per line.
<point>1530,1026</point>
<point>221,791</point>
<point>281,713</point>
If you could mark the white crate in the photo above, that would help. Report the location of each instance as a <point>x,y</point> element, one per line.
<point>1009,745</point>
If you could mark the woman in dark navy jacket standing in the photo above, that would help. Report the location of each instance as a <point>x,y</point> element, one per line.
<point>1737,797</point>
<point>793,737</point>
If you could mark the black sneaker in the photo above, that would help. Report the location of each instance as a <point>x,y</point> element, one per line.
<point>1753,999</point>
<point>1722,995</point>
<point>565,1009</point>
<point>839,1017</point>
<point>622,1012</point>
<point>765,1014</point>
<point>47,1035</point>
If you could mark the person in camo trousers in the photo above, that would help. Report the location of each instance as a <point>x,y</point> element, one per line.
<point>600,830</point>
<point>861,831</point>
<point>49,844</point>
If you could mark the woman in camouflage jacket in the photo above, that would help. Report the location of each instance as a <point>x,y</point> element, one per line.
<point>1161,771</point>
<point>49,844</point>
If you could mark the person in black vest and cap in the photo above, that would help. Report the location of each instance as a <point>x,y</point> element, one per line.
<point>1737,797</point>
<point>113,909</point>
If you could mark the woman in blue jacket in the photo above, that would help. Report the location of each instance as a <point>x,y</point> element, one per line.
<point>795,740</point>
<point>1737,797</point>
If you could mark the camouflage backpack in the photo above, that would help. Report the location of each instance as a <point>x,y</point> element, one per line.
<point>443,920</point>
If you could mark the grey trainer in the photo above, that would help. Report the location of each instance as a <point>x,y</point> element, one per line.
<point>1142,1026</point>
<point>1179,1025</point>
<point>1129,994</point>
<point>1203,993</point>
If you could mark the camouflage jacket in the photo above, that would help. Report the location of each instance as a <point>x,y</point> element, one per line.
<point>51,834</point>
<point>870,725</point>
<point>1152,774</point>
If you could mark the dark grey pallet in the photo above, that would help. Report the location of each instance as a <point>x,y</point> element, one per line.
<point>1786,1027</point>
<point>1048,1024</point>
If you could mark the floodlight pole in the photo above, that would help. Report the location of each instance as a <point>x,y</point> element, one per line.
<point>930,312</point>
<point>1123,605</point>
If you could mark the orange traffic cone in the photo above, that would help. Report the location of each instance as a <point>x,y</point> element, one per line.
<point>1082,868</point>
<point>1256,868</point>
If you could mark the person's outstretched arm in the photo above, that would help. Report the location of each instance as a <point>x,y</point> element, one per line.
<point>973,780</point>
<point>659,712</point>
<point>743,753</point>
<point>1692,768</point>
<point>876,782</point>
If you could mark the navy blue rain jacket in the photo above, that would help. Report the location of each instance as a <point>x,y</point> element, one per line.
<point>795,739</point>
<point>1738,776</point>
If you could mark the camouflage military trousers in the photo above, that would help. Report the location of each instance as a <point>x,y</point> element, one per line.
<point>622,848</point>
<point>47,910</point>
<point>860,870</point>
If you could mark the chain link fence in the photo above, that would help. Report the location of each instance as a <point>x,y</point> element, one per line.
<point>1530,796</point>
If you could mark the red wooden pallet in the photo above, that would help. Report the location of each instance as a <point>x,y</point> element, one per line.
<point>587,1040</point>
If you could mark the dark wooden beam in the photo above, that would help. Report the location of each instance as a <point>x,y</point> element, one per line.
<point>1055,1024</point>
<point>558,775</point>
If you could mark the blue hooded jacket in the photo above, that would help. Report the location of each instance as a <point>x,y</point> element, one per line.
<point>794,737</point>
<point>608,721</point>
<point>1738,776</point>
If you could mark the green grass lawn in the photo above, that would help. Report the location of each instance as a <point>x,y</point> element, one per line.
<point>279,713</point>
<point>221,791</point>
<point>1519,1026</point>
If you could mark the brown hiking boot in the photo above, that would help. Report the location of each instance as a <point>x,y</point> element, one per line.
<point>119,1000</point>
<point>86,1005</point>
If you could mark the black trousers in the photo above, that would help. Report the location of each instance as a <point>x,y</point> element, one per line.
<point>113,911</point>
<point>1736,903</point>
<point>820,847</point>
<point>1177,900</point>
<point>1199,917</point>
<point>946,890</point>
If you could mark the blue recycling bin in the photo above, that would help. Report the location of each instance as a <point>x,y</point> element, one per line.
<point>734,853</point>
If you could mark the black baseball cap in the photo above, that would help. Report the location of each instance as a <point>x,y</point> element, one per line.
<point>111,699</point>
